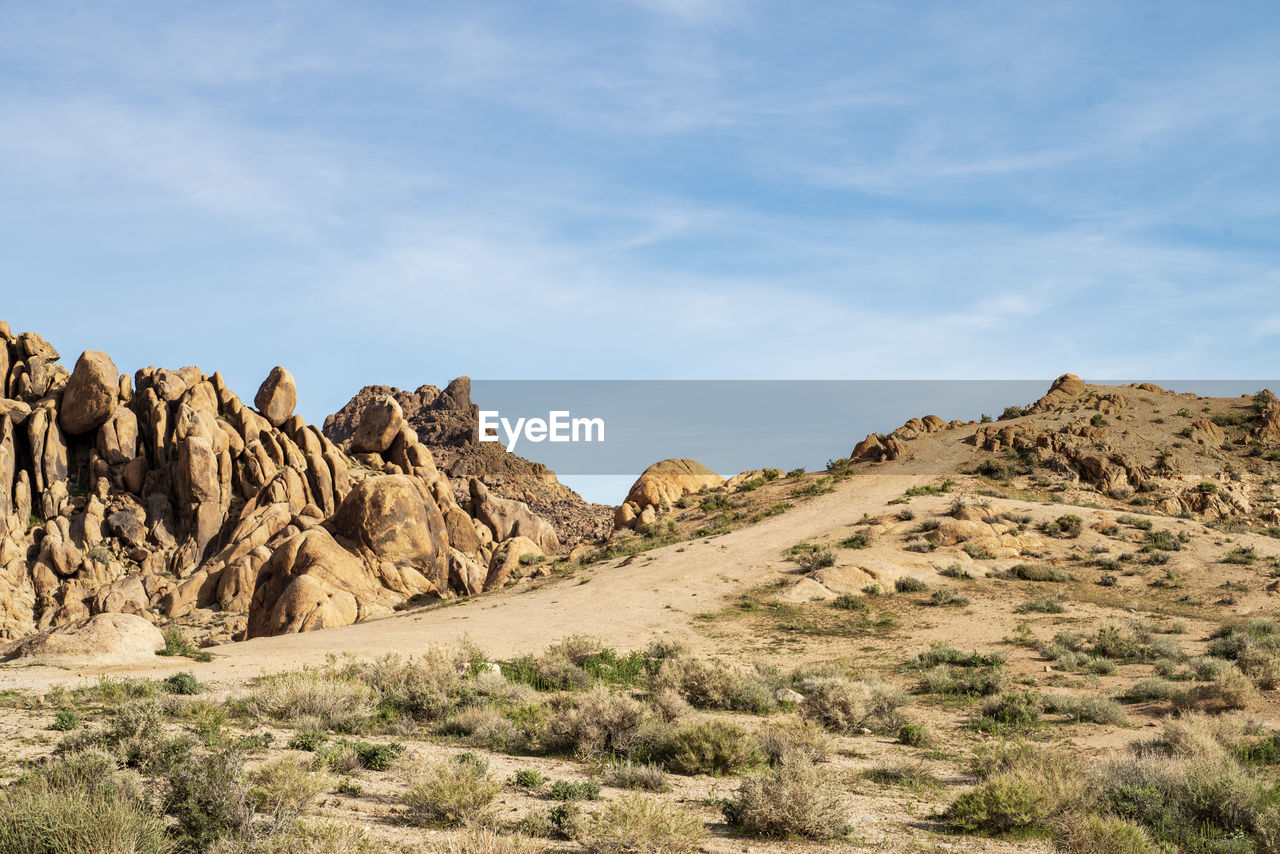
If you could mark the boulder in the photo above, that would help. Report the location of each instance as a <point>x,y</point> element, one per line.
<point>118,437</point>
<point>508,563</point>
<point>277,396</point>
<point>508,518</point>
<point>381,421</point>
<point>311,583</point>
<point>393,524</point>
<point>91,394</point>
<point>103,640</point>
<point>666,481</point>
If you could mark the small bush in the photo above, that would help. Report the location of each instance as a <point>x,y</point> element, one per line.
<point>710,747</point>
<point>176,643</point>
<point>528,778</point>
<point>1000,805</point>
<point>448,794</point>
<point>850,602</point>
<point>914,735</point>
<point>284,787</point>
<point>182,683</point>
<point>793,799</point>
<point>209,798</point>
<point>1101,834</point>
<point>639,824</point>
<point>597,721</point>
<point>634,775</point>
<point>946,596</point>
<point>308,740</point>
<point>575,790</point>
<point>1013,709</point>
<point>794,737</point>
<point>377,757</point>
<point>907,584</point>
<point>1041,605</point>
<point>842,705</point>
<point>1033,572</point>
<point>858,540</point>
<point>326,701</point>
<point>66,720</point>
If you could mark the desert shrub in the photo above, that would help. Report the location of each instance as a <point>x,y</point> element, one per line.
<point>1150,688</point>
<point>1230,689</point>
<point>308,740</point>
<point>1023,791</point>
<point>1033,572</point>
<point>1092,709</point>
<point>814,560</point>
<point>942,654</point>
<point>176,643</point>
<point>575,790</point>
<point>596,721</point>
<point>482,840</point>
<point>448,794</point>
<point>843,705</point>
<point>794,737</point>
<point>340,757</point>
<point>971,681</point>
<point>1041,605</point>
<point>793,799</point>
<point>914,735</point>
<point>325,701</point>
<point>1012,710</point>
<point>322,837</point>
<point>708,685</point>
<point>1196,735</point>
<point>82,802</point>
<point>285,787</point>
<point>528,778</point>
<point>850,602</point>
<point>1069,525</point>
<point>209,798</point>
<point>1200,804</point>
<point>977,551</point>
<point>957,571</point>
<point>135,734</point>
<point>66,720</point>
<point>907,584</point>
<point>946,596</point>
<point>636,775</point>
<point>858,540</point>
<point>1116,643</point>
<point>640,824</point>
<point>182,683</point>
<point>710,747</point>
<point>377,757</point>
<point>1101,834</point>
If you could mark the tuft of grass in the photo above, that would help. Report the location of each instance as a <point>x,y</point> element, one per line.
<point>636,823</point>
<point>450,794</point>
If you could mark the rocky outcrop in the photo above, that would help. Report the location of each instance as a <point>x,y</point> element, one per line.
<point>660,486</point>
<point>1064,390</point>
<point>507,518</point>
<point>447,422</point>
<point>163,496</point>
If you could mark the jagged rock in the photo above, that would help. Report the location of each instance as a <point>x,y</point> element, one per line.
<point>397,530</point>
<point>90,395</point>
<point>102,640</point>
<point>277,396</point>
<point>311,583</point>
<point>507,518</point>
<point>129,525</point>
<point>380,422</point>
<point>466,574</point>
<point>15,410</point>
<point>31,345</point>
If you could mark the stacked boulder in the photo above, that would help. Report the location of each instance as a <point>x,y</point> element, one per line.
<point>162,495</point>
<point>660,486</point>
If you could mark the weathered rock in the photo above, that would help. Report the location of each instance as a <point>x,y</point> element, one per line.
<point>311,583</point>
<point>507,518</point>
<point>517,558</point>
<point>666,481</point>
<point>90,395</point>
<point>118,437</point>
<point>277,396</point>
<point>127,595</point>
<point>396,528</point>
<point>381,421</point>
<point>102,640</point>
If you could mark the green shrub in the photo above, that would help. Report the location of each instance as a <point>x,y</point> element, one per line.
<point>1013,709</point>
<point>575,790</point>
<point>308,739</point>
<point>1033,572</point>
<point>969,681</point>
<point>285,786</point>
<point>639,824</point>
<point>595,722</point>
<point>182,683</point>
<point>325,700</point>
<point>209,798</point>
<point>817,559</point>
<point>66,720</point>
<point>1041,605</point>
<point>946,596</point>
<point>448,794</point>
<point>907,584</point>
<point>377,757</point>
<point>635,775</point>
<point>858,540</point>
<point>1101,834</point>
<point>710,747</point>
<point>1000,805</point>
<point>528,778</point>
<point>845,706</point>
<point>850,602</point>
<point>176,643</point>
<point>914,735</point>
<point>794,737</point>
<point>793,799</point>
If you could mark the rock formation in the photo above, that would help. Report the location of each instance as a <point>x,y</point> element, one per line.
<point>162,496</point>
<point>662,485</point>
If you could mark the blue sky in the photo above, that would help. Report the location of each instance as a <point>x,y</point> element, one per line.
<point>403,192</point>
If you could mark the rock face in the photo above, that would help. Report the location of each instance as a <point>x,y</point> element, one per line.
<point>90,395</point>
<point>277,396</point>
<point>507,518</point>
<point>381,420</point>
<point>103,640</point>
<point>447,422</point>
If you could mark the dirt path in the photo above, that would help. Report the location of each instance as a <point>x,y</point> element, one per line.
<point>657,595</point>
